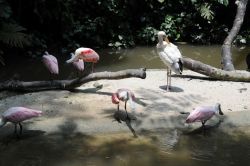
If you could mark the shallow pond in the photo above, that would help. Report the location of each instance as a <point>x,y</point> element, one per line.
<point>32,69</point>
<point>161,147</point>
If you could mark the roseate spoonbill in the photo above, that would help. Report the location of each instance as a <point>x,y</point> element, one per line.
<point>86,54</point>
<point>79,65</point>
<point>203,113</point>
<point>124,95</point>
<point>18,114</point>
<point>170,55</point>
<point>51,63</point>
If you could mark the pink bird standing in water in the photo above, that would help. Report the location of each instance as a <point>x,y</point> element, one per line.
<point>204,113</point>
<point>124,95</point>
<point>50,63</point>
<point>18,114</point>
<point>86,54</point>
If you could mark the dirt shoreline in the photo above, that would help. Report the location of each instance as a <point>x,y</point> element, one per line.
<point>89,110</point>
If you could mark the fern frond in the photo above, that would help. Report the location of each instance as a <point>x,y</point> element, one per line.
<point>12,35</point>
<point>206,12</point>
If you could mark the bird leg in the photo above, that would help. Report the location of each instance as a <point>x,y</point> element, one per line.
<point>15,131</point>
<point>203,125</point>
<point>51,79</point>
<point>21,128</point>
<point>126,110</point>
<point>93,67</point>
<point>117,107</point>
<point>168,80</point>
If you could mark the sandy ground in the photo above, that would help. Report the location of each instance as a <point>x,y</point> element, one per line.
<point>90,110</point>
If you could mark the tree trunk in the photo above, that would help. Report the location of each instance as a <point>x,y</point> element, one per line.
<point>69,84</point>
<point>216,73</point>
<point>226,53</point>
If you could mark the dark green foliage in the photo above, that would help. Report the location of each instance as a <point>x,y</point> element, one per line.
<point>64,25</point>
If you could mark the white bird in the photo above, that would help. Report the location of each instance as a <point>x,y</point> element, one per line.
<point>170,55</point>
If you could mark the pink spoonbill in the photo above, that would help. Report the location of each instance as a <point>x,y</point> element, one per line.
<point>86,54</point>
<point>50,63</point>
<point>203,113</point>
<point>124,95</point>
<point>170,55</point>
<point>18,114</point>
<point>79,65</point>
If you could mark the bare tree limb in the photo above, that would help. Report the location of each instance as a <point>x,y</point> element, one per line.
<point>216,73</point>
<point>226,53</point>
<point>69,84</point>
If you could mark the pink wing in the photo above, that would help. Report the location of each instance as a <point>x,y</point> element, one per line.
<point>89,55</point>
<point>79,65</point>
<point>200,114</point>
<point>51,63</point>
<point>127,90</point>
<point>19,114</point>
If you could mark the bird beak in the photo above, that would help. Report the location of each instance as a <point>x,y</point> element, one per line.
<point>220,112</point>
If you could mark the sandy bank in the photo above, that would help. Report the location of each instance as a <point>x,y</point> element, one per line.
<point>89,110</point>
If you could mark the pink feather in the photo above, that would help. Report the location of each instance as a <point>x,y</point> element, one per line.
<point>51,63</point>
<point>19,114</point>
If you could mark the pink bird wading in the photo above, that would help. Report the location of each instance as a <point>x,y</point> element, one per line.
<point>204,113</point>
<point>124,95</point>
<point>50,63</point>
<point>18,114</point>
<point>86,54</point>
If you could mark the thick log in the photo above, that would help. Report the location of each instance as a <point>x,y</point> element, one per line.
<point>33,86</point>
<point>226,54</point>
<point>215,73</point>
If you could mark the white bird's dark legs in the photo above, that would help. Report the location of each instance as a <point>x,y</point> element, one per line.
<point>168,80</point>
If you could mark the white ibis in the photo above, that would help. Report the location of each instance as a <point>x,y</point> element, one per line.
<point>170,55</point>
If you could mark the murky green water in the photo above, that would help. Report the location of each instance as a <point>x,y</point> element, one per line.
<point>160,147</point>
<point>33,69</point>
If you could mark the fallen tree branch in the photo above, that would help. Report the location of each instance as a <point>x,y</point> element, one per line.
<point>215,73</point>
<point>32,86</point>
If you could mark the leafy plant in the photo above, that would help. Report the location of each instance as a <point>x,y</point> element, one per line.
<point>147,35</point>
<point>170,27</point>
<point>13,36</point>
<point>206,12</point>
<point>223,2</point>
